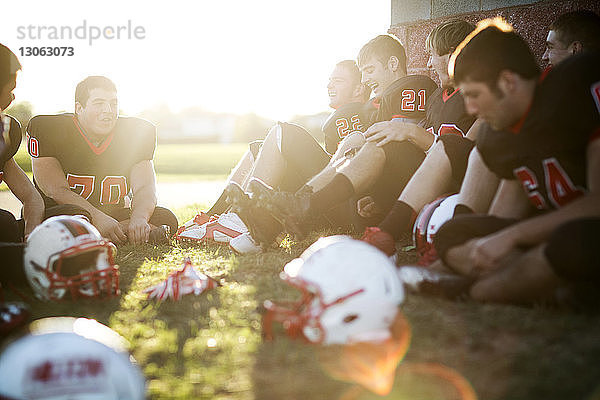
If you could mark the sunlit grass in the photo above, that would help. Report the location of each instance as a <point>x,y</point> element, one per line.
<point>210,346</point>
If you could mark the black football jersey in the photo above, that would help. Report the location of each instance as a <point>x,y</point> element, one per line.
<point>546,150</point>
<point>100,174</point>
<point>346,119</point>
<point>9,142</point>
<point>446,113</point>
<point>406,98</point>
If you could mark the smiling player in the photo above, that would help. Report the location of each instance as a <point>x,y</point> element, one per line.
<point>88,162</point>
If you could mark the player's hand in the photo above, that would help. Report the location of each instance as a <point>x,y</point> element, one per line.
<point>488,252</point>
<point>388,131</point>
<point>367,207</point>
<point>109,228</point>
<point>138,230</point>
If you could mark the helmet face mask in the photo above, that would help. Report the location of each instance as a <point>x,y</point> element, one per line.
<point>68,255</point>
<point>303,319</point>
<point>76,270</point>
<point>349,290</point>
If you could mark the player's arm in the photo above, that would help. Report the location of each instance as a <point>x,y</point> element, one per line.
<point>50,178</point>
<point>21,186</point>
<point>143,185</point>
<point>397,130</point>
<point>533,231</point>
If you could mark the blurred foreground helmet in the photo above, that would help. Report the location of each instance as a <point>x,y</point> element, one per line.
<point>350,293</point>
<point>66,254</point>
<point>68,358</point>
<point>432,216</point>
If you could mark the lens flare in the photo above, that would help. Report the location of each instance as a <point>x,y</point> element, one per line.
<point>370,364</point>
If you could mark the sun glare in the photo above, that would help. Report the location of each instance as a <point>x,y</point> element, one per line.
<point>266,57</point>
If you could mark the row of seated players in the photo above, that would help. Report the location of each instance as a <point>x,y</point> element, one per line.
<point>376,166</point>
<point>507,166</point>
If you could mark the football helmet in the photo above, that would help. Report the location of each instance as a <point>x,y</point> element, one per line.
<point>429,220</point>
<point>69,358</point>
<point>66,255</point>
<point>350,293</point>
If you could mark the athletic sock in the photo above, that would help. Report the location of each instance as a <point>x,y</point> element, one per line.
<point>398,220</point>
<point>338,190</point>
<point>462,209</point>
<point>220,206</point>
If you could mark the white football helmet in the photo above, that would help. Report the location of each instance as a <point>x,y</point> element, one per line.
<point>350,293</point>
<point>66,254</point>
<point>68,358</point>
<point>432,216</point>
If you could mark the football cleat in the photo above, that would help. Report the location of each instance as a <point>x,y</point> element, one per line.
<point>237,197</point>
<point>244,244</point>
<point>380,239</point>
<point>199,219</point>
<point>221,230</point>
<point>291,210</point>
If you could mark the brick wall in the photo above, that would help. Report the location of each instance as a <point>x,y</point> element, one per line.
<point>529,20</point>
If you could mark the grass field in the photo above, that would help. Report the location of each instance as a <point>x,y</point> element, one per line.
<point>210,346</point>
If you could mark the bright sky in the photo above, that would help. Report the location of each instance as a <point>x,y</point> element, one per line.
<point>271,57</point>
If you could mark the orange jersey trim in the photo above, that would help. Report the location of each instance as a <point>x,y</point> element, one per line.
<point>97,150</point>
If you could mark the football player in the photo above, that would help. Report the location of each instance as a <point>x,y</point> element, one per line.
<point>379,171</point>
<point>580,30</point>
<point>541,140</point>
<point>288,157</point>
<point>570,34</point>
<point>446,162</point>
<point>87,163</point>
<point>12,231</point>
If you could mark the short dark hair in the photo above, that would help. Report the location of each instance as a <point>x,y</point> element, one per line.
<point>82,92</point>
<point>9,65</point>
<point>383,47</point>
<point>490,49</point>
<point>445,37</point>
<point>578,26</point>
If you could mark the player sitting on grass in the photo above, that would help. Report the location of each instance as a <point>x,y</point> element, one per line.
<point>569,34</point>
<point>288,157</point>
<point>87,163</point>
<point>378,170</point>
<point>12,231</point>
<point>444,167</point>
<point>541,140</point>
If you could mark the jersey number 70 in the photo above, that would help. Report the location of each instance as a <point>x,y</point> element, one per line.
<point>112,188</point>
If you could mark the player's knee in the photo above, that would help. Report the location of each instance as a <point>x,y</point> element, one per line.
<point>164,216</point>
<point>404,157</point>
<point>9,228</point>
<point>457,149</point>
<point>571,250</point>
<point>353,140</point>
<point>254,148</point>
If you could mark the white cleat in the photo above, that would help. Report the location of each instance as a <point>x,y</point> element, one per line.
<point>221,230</point>
<point>244,244</point>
